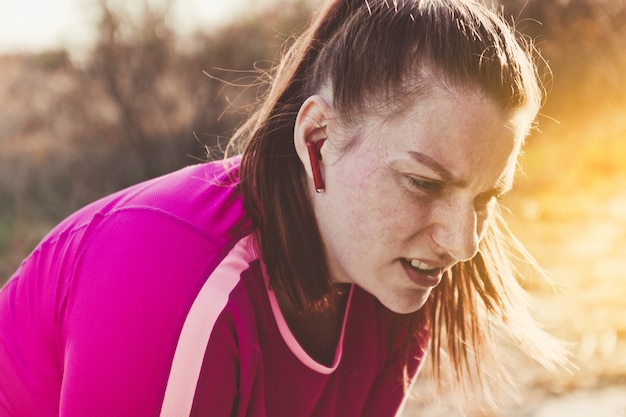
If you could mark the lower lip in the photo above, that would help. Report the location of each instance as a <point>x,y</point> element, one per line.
<point>424,279</point>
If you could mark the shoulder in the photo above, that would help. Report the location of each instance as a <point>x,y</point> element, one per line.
<point>203,200</point>
<point>172,229</point>
<point>168,232</point>
<point>199,195</point>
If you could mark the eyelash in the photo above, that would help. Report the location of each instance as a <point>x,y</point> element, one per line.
<point>425,185</point>
<point>433,187</point>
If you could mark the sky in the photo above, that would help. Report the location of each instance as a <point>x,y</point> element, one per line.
<point>36,25</point>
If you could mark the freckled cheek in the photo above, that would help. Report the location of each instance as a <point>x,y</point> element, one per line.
<point>403,221</point>
<point>377,208</point>
<point>374,221</point>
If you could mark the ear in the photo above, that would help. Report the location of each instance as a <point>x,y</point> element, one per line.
<point>310,126</point>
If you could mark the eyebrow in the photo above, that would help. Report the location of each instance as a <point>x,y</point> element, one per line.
<point>502,186</point>
<point>435,166</point>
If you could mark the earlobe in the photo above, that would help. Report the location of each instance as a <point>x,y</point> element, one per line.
<point>309,136</point>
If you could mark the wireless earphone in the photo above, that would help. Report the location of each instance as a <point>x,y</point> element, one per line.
<point>315,156</point>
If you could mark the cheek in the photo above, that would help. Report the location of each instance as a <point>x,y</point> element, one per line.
<point>369,211</point>
<point>350,206</point>
<point>374,206</point>
<point>396,219</point>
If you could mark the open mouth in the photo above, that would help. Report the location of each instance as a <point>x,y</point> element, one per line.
<point>421,273</point>
<point>422,267</point>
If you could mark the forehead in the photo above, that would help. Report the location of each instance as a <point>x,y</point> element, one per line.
<point>461,129</point>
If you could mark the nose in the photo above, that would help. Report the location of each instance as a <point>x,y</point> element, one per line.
<point>456,231</point>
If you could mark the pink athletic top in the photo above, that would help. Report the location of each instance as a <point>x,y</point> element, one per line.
<point>154,302</point>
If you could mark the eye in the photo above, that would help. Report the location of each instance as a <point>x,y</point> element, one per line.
<point>425,185</point>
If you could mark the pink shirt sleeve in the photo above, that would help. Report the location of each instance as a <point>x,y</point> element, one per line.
<point>122,314</point>
<point>90,321</point>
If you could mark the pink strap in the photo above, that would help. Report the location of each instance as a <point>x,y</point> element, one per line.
<point>196,331</point>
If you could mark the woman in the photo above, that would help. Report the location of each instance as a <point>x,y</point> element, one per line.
<point>309,276</point>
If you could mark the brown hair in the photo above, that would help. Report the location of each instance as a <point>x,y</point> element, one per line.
<point>377,51</point>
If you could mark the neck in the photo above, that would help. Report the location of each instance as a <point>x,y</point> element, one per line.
<point>318,329</point>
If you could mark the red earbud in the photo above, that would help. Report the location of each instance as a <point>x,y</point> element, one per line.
<point>315,156</point>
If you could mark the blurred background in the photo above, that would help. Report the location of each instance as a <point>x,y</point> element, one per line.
<point>96,95</point>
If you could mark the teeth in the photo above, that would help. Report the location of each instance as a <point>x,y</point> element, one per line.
<point>420,265</point>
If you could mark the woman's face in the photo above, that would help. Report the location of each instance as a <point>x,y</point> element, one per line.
<point>415,193</point>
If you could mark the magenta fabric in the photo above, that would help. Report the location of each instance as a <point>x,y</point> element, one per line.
<point>89,324</point>
<point>261,376</point>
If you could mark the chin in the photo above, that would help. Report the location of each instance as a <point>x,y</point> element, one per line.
<point>406,304</point>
